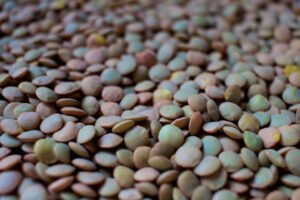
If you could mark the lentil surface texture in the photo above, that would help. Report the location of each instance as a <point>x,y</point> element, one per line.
<point>149,99</point>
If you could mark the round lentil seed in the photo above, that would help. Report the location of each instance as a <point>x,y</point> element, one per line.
<point>187,182</point>
<point>208,166</point>
<point>35,191</point>
<point>211,145</point>
<point>230,111</point>
<point>125,157</point>
<point>248,122</point>
<point>90,178</point>
<point>9,181</point>
<point>84,164</point>
<point>60,170</point>
<point>231,161</point>
<point>270,136</point>
<point>135,137</point>
<point>262,178</point>
<point>171,134</point>
<point>43,150</point>
<point>124,176</point>
<point>85,134</point>
<point>109,188</point>
<point>91,85</point>
<point>188,161</point>
<point>292,161</point>
<point>10,162</point>
<point>171,111</point>
<point>106,159</point>
<point>62,152</point>
<point>252,141</point>
<point>61,184</point>
<point>109,140</point>
<point>146,174</point>
<point>258,103</point>
<point>52,123</point>
<point>216,180</point>
<point>249,159</point>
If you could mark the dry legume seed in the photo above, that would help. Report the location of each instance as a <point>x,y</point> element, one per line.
<point>62,152</point>
<point>277,194</point>
<point>51,124</point>
<point>201,192</point>
<point>242,174</point>
<point>258,103</point>
<point>215,181</point>
<point>9,181</point>
<point>213,127</point>
<point>289,136</point>
<point>9,162</point>
<point>197,102</point>
<point>35,191</point>
<point>108,121</point>
<point>86,134</point>
<point>110,140</point>
<point>44,150</point>
<point>252,141</point>
<point>124,176</point>
<point>91,85</point>
<point>225,195</point>
<point>109,188</point>
<point>83,190</point>
<point>11,126</point>
<point>67,133</point>
<point>211,145</point>
<point>90,178</point>
<point>231,161</point>
<point>106,159</point>
<point>229,144</point>
<point>187,182</point>
<point>171,134</point>
<point>248,122</point>
<point>270,136</point>
<point>230,111</point>
<point>160,163</point>
<point>141,156</point>
<point>135,137</point>
<point>249,159</point>
<point>60,170</point>
<point>275,158</point>
<point>177,194</point>
<point>123,126</point>
<point>292,161</point>
<point>232,132</point>
<point>78,149</point>
<point>46,95</point>
<point>125,157</point>
<point>193,158</point>
<point>133,194</point>
<point>61,184</point>
<point>146,188</point>
<point>146,174</point>
<point>262,178</point>
<point>207,166</point>
<point>195,123</point>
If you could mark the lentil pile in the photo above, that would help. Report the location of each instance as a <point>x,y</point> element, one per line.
<point>149,100</point>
